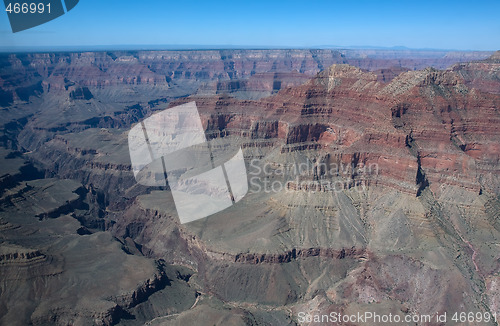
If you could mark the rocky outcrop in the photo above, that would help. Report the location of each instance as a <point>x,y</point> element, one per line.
<point>483,75</point>
<point>14,255</point>
<point>427,115</point>
<point>253,73</point>
<point>294,254</point>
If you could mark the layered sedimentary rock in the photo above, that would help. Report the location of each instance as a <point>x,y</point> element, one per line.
<point>368,190</point>
<point>45,250</point>
<point>423,124</point>
<point>148,74</point>
<point>483,74</point>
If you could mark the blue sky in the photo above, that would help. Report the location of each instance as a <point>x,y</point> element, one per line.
<point>461,25</point>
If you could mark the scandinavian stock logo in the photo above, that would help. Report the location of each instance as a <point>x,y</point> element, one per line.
<point>25,14</point>
<point>171,147</point>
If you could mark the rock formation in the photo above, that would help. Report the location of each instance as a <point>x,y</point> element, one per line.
<point>373,186</point>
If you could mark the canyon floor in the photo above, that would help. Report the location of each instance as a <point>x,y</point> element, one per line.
<point>373,186</point>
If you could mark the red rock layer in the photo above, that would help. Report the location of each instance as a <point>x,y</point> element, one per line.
<point>423,127</point>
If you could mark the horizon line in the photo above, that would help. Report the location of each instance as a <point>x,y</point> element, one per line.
<point>204,47</point>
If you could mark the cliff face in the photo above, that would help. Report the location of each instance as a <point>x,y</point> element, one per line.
<point>386,186</point>
<point>153,72</point>
<point>424,124</point>
<point>45,250</point>
<point>148,74</point>
<point>483,75</point>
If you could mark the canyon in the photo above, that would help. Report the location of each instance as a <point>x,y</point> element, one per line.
<point>396,208</point>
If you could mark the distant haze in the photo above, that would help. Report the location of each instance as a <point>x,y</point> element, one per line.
<point>424,24</point>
